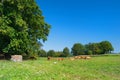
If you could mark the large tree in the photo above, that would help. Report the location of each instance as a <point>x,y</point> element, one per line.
<point>106,47</point>
<point>78,49</point>
<point>94,48</point>
<point>99,48</point>
<point>22,26</point>
<point>66,52</point>
<point>42,53</point>
<point>51,53</point>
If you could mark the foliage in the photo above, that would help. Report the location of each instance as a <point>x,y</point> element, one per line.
<point>106,47</point>
<point>42,53</point>
<point>66,52</point>
<point>99,48</point>
<point>51,53</point>
<point>21,26</point>
<point>78,49</point>
<point>59,54</point>
<point>94,47</point>
<point>88,52</point>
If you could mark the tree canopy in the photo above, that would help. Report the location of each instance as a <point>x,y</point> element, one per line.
<point>51,53</point>
<point>78,49</point>
<point>42,53</point>
<point>66,52</point>
<point>21,26</point>
<point>99,48</point>
<point>102,47</point>
<point>106,46</point>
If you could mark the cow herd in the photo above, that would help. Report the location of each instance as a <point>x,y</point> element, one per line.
<point>69,58</point>
<point>53,58</point>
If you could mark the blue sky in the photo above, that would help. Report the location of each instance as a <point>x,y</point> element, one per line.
<point>81,21</point>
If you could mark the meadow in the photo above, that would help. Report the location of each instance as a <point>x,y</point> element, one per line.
<point>96,68</point>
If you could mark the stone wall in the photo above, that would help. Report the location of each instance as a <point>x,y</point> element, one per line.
<point>16,58</point>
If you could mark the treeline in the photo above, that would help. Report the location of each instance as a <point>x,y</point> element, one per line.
<point>103,47</point>
<point>52,53</point>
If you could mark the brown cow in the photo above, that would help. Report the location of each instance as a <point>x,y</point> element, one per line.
<point>48,58</point>
<point>82,57</point>
<point>60,59</point>
<point>51,58</point>
<point>87,57</point>
<point>72,58</point>
<point>77,57</point>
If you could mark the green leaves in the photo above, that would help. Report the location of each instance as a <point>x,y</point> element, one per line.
<point>106,46</point>
<point>5,29</point>
<point>22,25</point>
<point>92,48</point>
<point>78,49</point>
<point>66,52</point>
<point>99,48</point>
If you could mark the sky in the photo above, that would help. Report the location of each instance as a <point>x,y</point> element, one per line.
<point>81,21</point>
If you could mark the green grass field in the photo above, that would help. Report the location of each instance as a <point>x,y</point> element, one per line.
<point>96,68</point>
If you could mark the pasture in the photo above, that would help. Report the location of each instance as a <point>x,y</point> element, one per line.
<point>96,68</point>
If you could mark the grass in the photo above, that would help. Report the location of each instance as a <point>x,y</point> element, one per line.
<point>97,68</point>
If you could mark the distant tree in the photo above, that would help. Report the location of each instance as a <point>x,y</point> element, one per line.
<point>78,49</point>
<point>88,47</point>
<point>51,53</point>
<point>42,53</point>
<point>94,48</point>
<point>106,47</point>
<point>21,26</point>
<point>66,52</point>
<point>99,48</point>
<point>59,54</point>
<point>88,52</point>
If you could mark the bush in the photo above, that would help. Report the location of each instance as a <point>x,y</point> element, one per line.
<point>51,53</point>
<point>88,52</point>
<point>42,53</point>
